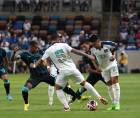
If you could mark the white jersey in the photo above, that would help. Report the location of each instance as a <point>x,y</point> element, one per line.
<point>59,53</point>
<point>104,55</point>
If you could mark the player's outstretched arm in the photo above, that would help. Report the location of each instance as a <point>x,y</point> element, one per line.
<point>78,52</point>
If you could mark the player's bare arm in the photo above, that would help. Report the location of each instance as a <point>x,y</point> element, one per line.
<point>78,52</point>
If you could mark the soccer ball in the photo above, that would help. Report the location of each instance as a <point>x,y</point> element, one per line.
<point>92,105</point>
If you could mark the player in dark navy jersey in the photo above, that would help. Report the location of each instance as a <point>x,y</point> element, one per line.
<point>3,72</point>
<point>38,74</point>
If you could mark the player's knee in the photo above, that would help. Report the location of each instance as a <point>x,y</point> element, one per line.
<point>114,80</point>
<point>29,85</point>
<point>4,77</point>
<point>83,83</point>
<point>57,87</point>
<point>25,89</point>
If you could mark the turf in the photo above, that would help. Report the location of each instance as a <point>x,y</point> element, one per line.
<point>130,101</point>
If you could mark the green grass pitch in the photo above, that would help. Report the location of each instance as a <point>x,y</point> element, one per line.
<point>130,101</point>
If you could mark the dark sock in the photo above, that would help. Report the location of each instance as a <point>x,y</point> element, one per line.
<point>69,91</point>
<point>80,91</point>
<point>25,97</point>
<point>7,87</point>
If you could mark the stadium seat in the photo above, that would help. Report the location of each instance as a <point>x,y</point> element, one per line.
<point>37,20</point>
<point>44,24</point>
<point>43,33</point>
<point>20,18</point>
<point>77,31</point>
<point>69,29</point>
<point>3,25</point>
<point>3,18</point>
<point>55,17</point>
<point>61,24</point>
<point>18,25</point>
<point>70,22</point>
<point>95,23</point>
<point>70,17</point>
<point>35,32</point>
<point>52,29</point>
<point>46,18</point>
<point>13,18</point>
<point>53,22</point>
<point>79,17</point>
<point>35,27</point>
<point>87,18</point>
<point>18,32</point>
<point>78,22</point>
<point>87,28</point>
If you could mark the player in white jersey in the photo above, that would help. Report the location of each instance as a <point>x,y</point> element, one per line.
<point>104,51</point>
<point>59,54</point>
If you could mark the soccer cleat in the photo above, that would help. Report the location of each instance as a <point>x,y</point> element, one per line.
<point>112,107</point>
<point>50,103</point>
<point>66,109</point>
<point>103,100</point>
<point>9,97</point>
<point>83,98</point>
<point>26,107</point>
<point>116,107</point>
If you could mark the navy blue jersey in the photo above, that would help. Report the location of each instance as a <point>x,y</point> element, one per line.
<point>29,58</point>
<point>2,55</point>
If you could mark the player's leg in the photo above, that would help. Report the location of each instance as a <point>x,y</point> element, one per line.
<point>30,83</point>
<point>88,86</point>
<point>51,81</point>
<point>68,96</point>
<point>116,88</point>
<point>92,79</point>
<point>50,94</point>
<point>111,77</point>
<point>6,81</point>
<point>53,73</point>
<point>60,82</point>
<point>106,76</point>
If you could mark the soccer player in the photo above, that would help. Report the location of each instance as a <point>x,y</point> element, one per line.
<point>3,72</point>
<point>94,75</point>
<point>104,51</point>
<point>38,74</point>
<point>53,73</point>
<point>59,54</point>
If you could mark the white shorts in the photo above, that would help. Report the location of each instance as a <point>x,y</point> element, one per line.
<point>62,77</point>
<point>53,71</point>
<point>112,72</point>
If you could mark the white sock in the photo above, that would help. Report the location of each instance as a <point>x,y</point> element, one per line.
<point>50,94</point>
<point>91,89</point>
<point>116,88</point>
<point>62,98</point>
<point>68,97</point>
<point>111,93</point>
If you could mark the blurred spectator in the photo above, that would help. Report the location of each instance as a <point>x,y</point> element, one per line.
<point>123,32</point>
<point>82,36</point>
<point>23,42</point>
<point>123,62</point>
<point>138,39</point>
<point>27,25</point>
<point>84,5</point>
<point>75,41</point>
<point>75,5</point>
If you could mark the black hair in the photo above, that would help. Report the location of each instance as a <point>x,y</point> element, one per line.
<point>33,43</point>
<point>93,38</point>
<point>54,37</point>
